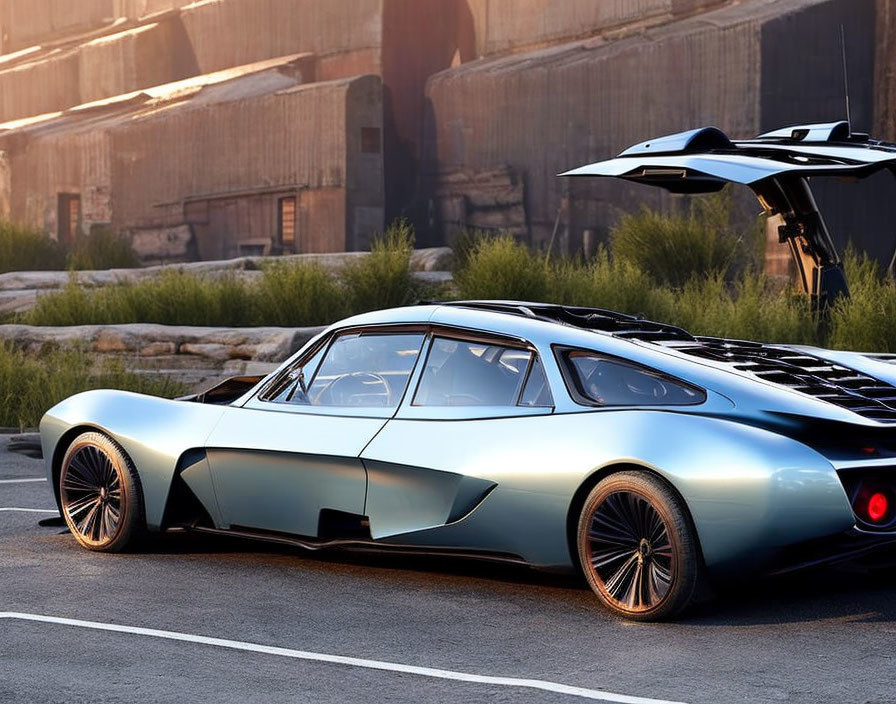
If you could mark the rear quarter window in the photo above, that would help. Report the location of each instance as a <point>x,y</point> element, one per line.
<point>595,379</point>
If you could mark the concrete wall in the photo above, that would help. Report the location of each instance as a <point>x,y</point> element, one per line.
<point>36,87</point>
<point>149,55</point>
<point>511,25</point>
<point>24,23</point>
<point>227,33</point>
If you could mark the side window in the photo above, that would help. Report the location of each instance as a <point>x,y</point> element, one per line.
<point>537,392</point>
<point>359,370</point>
<point>290,382</point>
<point>464,373</point>
<point>597,380</point>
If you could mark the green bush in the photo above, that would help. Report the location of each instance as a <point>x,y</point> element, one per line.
<point>174,298</point>
<point>673,249</point>
<point>285,293</point>
<point>604,283</point>
<point>750,309</point>
<point>867,320</point>
<point>30,385</point>
<point>23,249</point>
<point>502,268</point>
<point>102,249</point>
<point>298,295</point>
<point>26,249</point>
<point>383,278</point>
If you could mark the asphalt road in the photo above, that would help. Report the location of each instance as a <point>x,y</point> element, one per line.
<point>825,636</point>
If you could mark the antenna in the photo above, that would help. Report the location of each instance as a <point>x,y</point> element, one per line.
<point>845,76</point>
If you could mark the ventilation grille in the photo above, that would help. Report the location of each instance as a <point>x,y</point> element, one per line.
<point>826,381</point>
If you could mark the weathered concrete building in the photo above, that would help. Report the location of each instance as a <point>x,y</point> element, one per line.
<point>185,170</point>
<point>104,70</point>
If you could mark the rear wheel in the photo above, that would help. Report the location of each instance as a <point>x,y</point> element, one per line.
<point>102,502</point>
<point>637,547</point>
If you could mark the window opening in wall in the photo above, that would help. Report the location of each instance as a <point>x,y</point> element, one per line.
<point>370,140</point>
<point>286,222</point>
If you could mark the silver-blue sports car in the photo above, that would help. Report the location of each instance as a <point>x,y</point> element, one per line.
<point>560,437</point>
<point>564,438</point>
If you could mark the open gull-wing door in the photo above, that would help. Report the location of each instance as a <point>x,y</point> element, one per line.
<point>776,166</point>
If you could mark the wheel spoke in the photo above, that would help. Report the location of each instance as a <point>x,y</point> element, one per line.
<point>607,557</point>
<point>76,507</point>
<point>85,526</point>
<point>74,482</point>
<point>622,577</point>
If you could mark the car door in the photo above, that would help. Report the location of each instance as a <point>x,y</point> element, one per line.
<point>292,452</point>
<point>465,378</point>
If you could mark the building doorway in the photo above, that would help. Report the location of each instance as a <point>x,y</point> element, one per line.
<point>68,218</point>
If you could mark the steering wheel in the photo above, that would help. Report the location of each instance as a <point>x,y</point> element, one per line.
<point>354,389</point>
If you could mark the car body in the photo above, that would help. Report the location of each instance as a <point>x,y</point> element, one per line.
<point>487,428</point>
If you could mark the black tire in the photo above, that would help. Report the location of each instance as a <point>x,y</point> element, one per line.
<point>100,494</point>
<point>637,548</point>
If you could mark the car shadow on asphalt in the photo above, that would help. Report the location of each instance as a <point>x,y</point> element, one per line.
<point>855,592</point>
<point>858,592</point>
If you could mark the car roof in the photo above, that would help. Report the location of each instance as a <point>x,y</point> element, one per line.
<point>658,345</point>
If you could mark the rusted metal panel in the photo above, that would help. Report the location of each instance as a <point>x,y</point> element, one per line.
<point>216,156</point>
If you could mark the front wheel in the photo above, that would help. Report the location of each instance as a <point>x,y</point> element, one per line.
<point>637,547</point>
<point>100,494</point>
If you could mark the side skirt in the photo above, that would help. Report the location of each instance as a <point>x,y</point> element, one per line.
<point>354,545</point>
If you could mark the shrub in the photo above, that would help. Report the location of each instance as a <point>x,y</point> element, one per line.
<point>30,385</point>
<point>383,278</point>
<point>503,268</point>
<point>27,249</point>
<point>102,249</point>
<point>750,309</point>
<point>674,249</point>
<point>867,320</point>
<point>174,298</point>
<point>24,249</point>
<point>298,295</point>
<point>604,283</point>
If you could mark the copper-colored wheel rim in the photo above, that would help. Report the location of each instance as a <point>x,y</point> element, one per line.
<point>91,492</point>
<point>629,552</point>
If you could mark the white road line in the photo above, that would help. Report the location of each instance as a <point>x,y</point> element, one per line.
<point>344,660</point>
<point>21,481</point>
<point>29,510</point>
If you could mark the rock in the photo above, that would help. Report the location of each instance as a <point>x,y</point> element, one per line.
<point>186,353</point>
<point>163,243</point>
<point>432,259</point>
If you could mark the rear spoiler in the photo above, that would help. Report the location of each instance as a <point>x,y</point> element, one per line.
<point>776,166</point>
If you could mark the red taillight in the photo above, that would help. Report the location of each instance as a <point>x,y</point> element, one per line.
<point>878,507</point>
